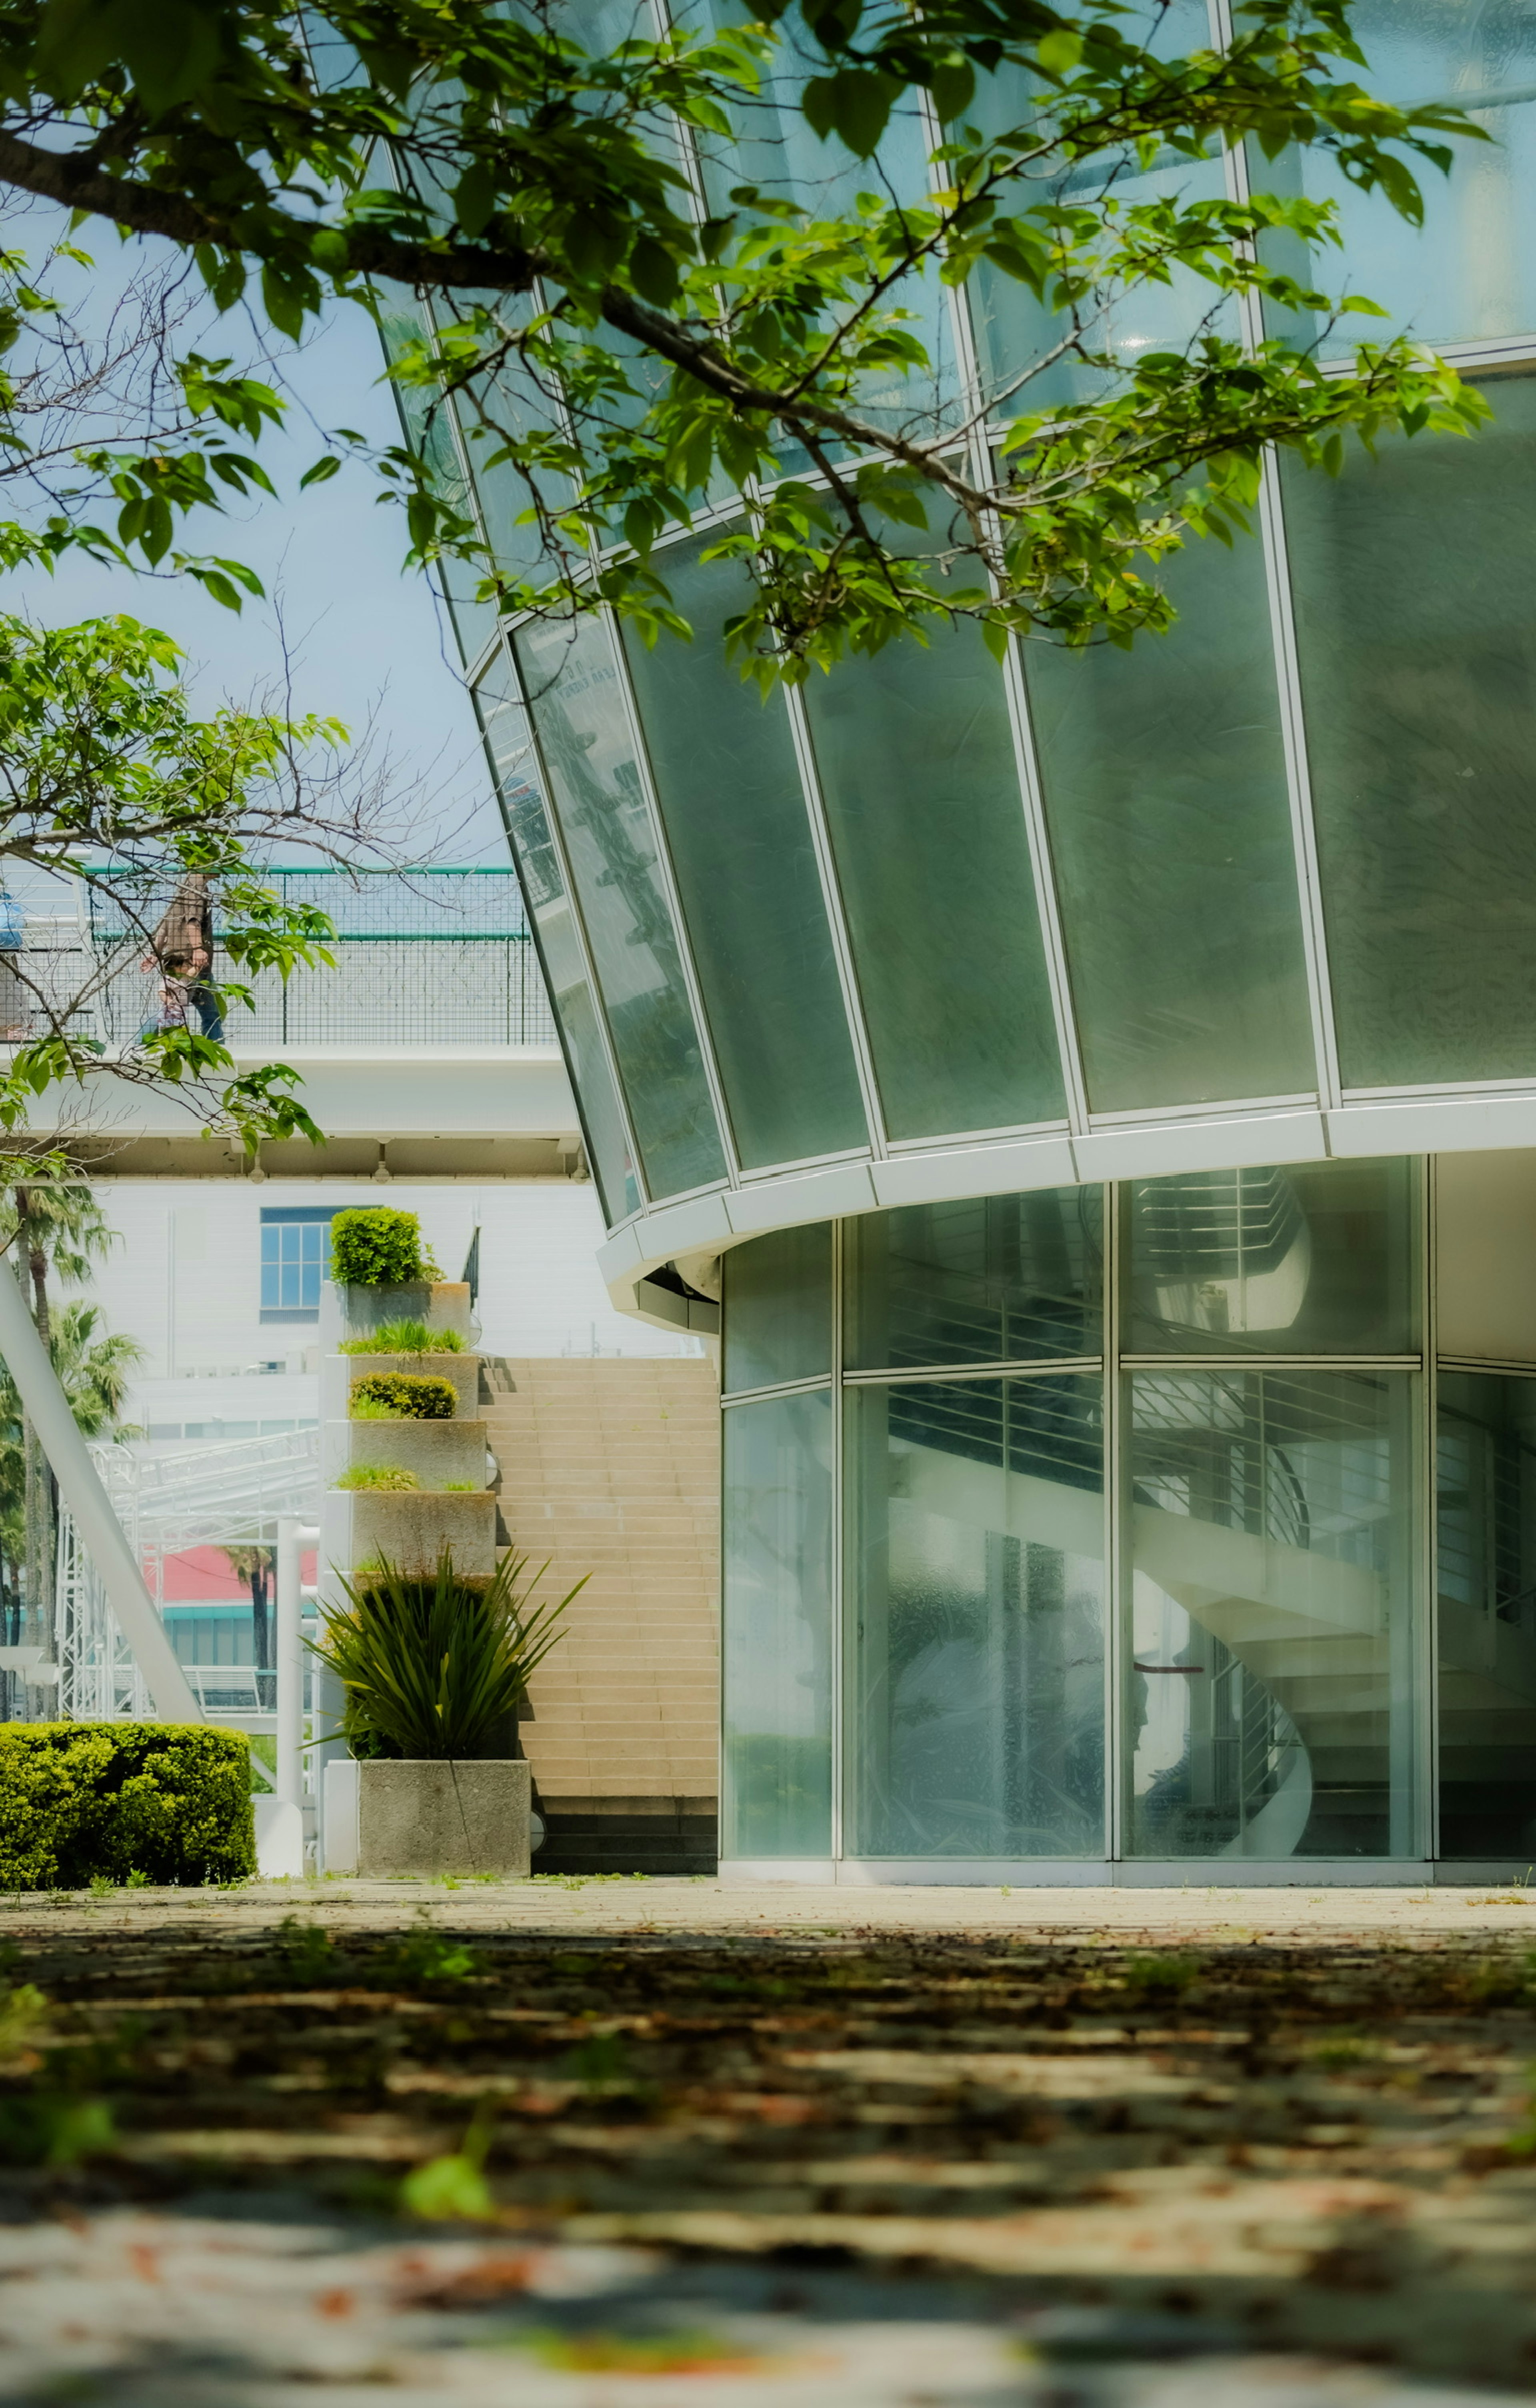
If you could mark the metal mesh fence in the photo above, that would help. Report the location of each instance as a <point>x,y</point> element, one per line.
<point>437,957</point>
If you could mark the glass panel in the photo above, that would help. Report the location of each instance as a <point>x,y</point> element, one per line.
<point>423,416</point>
<point>1416,593</point>
<point>573,685</point>
<point>1485,1509</point>
<point>976,1673</point>
<point>1012,328</point>
<point>996,1279</point>
<point>1270,1696</point>
<point>778,1318</point>
<point>777,1639</point>
<point>773,147</point>
<point>1317,1259</point>
<point>734,810</point>
<point>511,758</point>
<point>1165,790</point>
<point>1471,270</point>
<point>916,757</point>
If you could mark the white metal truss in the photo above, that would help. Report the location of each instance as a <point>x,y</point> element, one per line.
<point>207,1496</point>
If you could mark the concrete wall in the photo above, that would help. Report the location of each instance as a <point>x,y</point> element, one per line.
<point>613,1469</point>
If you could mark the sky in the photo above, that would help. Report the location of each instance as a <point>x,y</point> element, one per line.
<point>367,640</point>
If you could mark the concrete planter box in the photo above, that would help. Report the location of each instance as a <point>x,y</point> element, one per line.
<point>425,1816</point>
<point>435,1451</point>
<point>410,1532</point>
<point>442,1305</point>
<point>461,1370</point>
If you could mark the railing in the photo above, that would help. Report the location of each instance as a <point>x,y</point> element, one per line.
<point>214,1496</point>
<point>436,958</point>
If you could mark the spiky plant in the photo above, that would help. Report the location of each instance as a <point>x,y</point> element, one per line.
<point>436,1668</point>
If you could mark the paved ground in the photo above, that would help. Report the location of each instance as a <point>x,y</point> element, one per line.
<point>607,1903</point>
<point>570,2144</point>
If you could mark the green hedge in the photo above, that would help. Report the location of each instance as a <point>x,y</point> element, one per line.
<point>410,1396</point>
<point>169,1801</point>
<point>376,1247</point>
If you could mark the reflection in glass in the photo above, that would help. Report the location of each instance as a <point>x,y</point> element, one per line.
<point>729,790</point>
<point>1270,1688</point>
<point>1013,327</point>
<point>777,1633</point>
<point>1416,590</point>
<point>1486,1515</point>
<point>1316,1258</point>
<point>915,752</point>
<point>995,1279</point>
<point>1165,790</point>
<point>777,1324</point>
<point>773,147</point>
<point>504,727</point>
<point>572,682</point>
<point>1469,270</point>
<point>976,1654</point>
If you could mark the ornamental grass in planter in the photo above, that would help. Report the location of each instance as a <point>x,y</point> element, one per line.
<point>434,1672</point>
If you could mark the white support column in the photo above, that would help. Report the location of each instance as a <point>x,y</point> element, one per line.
<point>37,1385</point>
<point>294,1535</point>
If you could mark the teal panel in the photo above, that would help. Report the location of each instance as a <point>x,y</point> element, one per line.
<point>1165,791</point>
<point>734,809</point>
<point>1415,577</point>
<point>572,681</point>
<point>915,752</point>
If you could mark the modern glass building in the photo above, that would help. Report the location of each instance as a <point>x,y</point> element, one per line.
<point>1100,1096</point>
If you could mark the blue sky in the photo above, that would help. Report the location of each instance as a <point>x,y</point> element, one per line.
<point>366,637</point>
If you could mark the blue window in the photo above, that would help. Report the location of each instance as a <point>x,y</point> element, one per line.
<point>295,1249</point>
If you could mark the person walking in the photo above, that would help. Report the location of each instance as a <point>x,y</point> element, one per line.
<point>181,948</point>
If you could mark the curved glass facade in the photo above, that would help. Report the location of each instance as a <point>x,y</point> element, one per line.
<point>1275,868</point>
<point>1085,1075</point>
<point>1151,1525</point>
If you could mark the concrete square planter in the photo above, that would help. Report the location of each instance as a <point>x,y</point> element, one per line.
<point>442,1305</point>
<point>435,1451</point>
<point>411,1531</point>
<point>427,1816</point>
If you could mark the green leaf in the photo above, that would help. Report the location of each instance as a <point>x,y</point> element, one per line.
<point>325,466</point>
<point>653,272</point>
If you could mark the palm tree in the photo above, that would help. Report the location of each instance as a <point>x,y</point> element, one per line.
<point>253,1568</point>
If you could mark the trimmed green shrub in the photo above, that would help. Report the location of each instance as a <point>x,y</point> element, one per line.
<point>376,1247</point>
<point>405,1396</point>
<point>169,1801</point>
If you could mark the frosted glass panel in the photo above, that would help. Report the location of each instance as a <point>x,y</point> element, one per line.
<point>995,1279</point>
<point>976,1657</point>
<point>777,1639</point>
<point>777,1324</point>
<point>734,808</point>
<point>1471,270</point>
<point>1416,593</point>
<point>1485,1465</point>
<point>1269,1688</point>
<point>573,687</point>
<point>504,727</point>
<point>916,759</point>
<point>1165,790</point>
<point>1314,1258</point>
